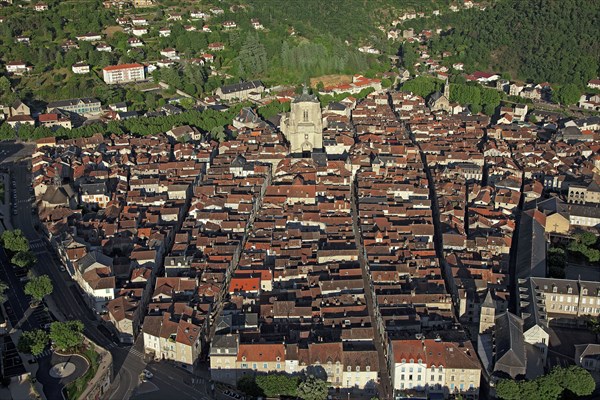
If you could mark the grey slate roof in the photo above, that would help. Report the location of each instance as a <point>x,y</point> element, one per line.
<point>238,87</point>
<point>510,356</point>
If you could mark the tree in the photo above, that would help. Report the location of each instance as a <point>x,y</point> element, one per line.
<point>508,389</point>
<point>14,241</point>
<point>24,259</point>
<point>33,342</point>
<point>313,389</point>
<point>218,133</point>
<point>39,287</point>
<point>274,385</point>
<point>568,94</point>
<point>247,384</point>
<point>67,335</point>
<point>572,379</point>
<point>3,288</point>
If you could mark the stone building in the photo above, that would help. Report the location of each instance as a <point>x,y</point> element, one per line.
<point>303,125</point>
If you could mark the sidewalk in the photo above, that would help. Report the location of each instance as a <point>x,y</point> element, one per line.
<point>30,368</point>
<point>5,214</point>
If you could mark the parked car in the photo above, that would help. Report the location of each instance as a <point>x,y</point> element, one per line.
<point>147,374</point>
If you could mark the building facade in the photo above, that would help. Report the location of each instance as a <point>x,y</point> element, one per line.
<point>123,73</point>
<point>303,125</point>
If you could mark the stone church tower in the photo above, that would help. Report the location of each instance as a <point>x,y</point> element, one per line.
<point>303,125</point>
<point>487,317</point>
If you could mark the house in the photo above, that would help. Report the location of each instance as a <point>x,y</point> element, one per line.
<point>436,366</point>
<point>240,91</point>
<point>59,196</point>
<point>482,77</point>
<point>17,67</point>
<point>94,194</point>
<point>228,25</point>
<point>143,3</point>
<point>125,314</point>
<point>56,119</point>
<point>139,31</point>
<point>94,275</point>
<point>89,37</point>
<point>85,105</point>
<point>588,355</point>
<point>217,46</point>
<point>22,39</point>
<point>123,73</point>
<point>169,53</point>
<point>139,21</point>
<point>80,68</point>
<point>223,358</point>
<point>198,15</point>
<point>594,83</point>
<point>17,120</point>
<point>104,47</point>
<point>174,17</point>
<point>184,133</point>
<point>69,45</point>
<point>256,24</point>
<point>164,32</point>
<point>169,338</point>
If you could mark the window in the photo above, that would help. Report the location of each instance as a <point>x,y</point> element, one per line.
<point>554,289</point>
<point>244,365</point>
<point>265,365</point>
<point>432,378</point>
<point>402,377</point>
<point>254,366</point>
<point>368,368</point>
<point>410,377</point>
<point>278,366</point>
<point>440,378</point>
<point>305,115</point>
<point>569,290</point>
<point>452,386</point>
<point>584,291</point>
<point>452,379</point>
<point>418,377</point>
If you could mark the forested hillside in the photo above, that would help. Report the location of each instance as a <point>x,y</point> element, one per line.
<point>542,40</point>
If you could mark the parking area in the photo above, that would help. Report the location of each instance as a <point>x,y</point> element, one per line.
<point>13,364</point>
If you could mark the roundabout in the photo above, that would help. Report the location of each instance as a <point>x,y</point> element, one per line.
<point>58,370</point>
<point>62,370</point>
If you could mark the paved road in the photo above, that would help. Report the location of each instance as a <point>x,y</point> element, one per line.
<point>173,382</point>
<point>53,386</point>
<point>126,365</point>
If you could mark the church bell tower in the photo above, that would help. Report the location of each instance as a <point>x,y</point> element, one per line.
<point>303,125</point>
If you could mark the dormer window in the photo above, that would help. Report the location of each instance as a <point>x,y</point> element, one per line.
<point>420,361</point>
<point>554,289</point>
<point>403,360</point>
<point>349,368</point>
<point>584,291</point>
<point>368,368</point>
<point>243,358</point>
<point>278,358</point>
<point>569,290</point>
<point>357,368</point>
<point>412,361</point>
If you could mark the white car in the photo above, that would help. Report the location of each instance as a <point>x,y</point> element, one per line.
<point>147,374</point>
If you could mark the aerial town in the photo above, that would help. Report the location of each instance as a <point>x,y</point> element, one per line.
<point>427,231</point>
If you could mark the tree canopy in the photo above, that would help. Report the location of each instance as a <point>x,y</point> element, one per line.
<point>14,241</point>
<point>512,36</point>
<point>313,389</point>
<point>33,342</point>
<point>67,335</point>
<point>573,379</point>
<point>39,287</point>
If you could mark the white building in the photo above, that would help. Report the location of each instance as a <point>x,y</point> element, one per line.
<point>123,73</point>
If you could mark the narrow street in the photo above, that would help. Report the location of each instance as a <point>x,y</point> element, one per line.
<point>385,386</point>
